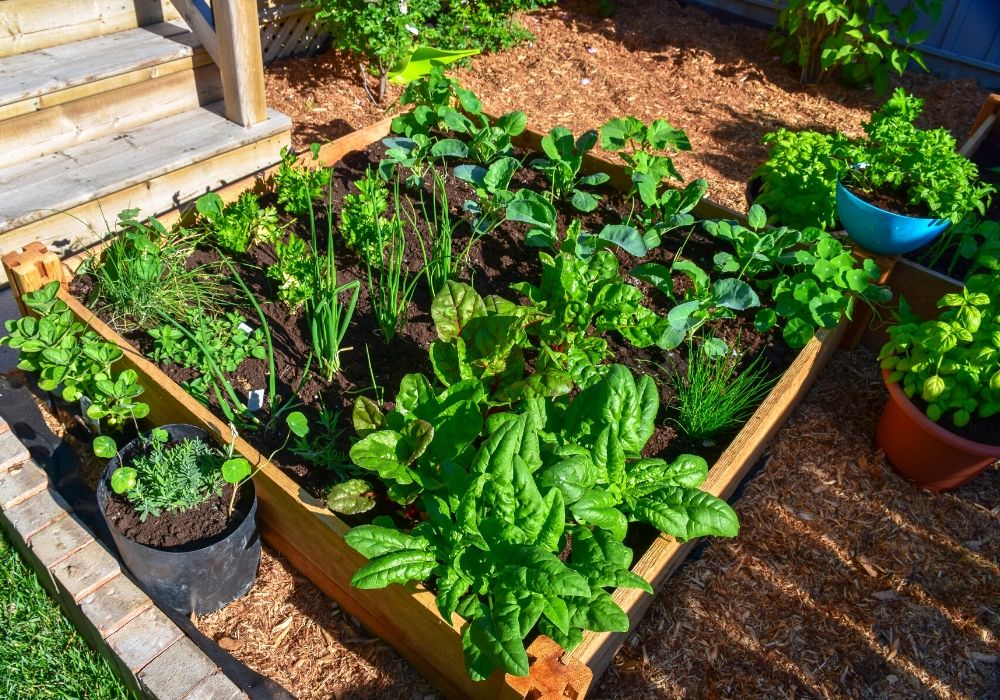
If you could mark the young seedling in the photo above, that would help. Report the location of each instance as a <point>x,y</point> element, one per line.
<point>237,470</point>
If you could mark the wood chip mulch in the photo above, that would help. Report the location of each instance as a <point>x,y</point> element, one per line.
<point>716,79</point>
<point>845,581</point>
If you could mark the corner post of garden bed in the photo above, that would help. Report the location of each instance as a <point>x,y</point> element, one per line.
<point>31,269</point>
<point>554,675</point>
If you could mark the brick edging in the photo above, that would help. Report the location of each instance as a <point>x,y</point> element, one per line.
<point>118,619</point>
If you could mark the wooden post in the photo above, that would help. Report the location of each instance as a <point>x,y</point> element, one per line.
<point>30,270</point>
<point>238,31</point>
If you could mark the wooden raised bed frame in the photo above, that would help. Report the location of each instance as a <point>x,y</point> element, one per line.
<point>312,537</point>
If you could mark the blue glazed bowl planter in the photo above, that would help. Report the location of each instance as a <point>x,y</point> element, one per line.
<point>882,231</point>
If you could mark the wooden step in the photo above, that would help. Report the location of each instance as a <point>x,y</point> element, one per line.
<point>61,74</point>
<point>30,25</point>
<point>62,126</point>
<point>64,199</point>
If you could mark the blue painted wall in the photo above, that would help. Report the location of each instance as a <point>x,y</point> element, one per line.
<point>964,42</point>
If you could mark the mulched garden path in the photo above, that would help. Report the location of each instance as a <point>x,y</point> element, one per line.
<point>845,580</point>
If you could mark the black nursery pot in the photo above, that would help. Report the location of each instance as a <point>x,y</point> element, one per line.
<point>199,580</point>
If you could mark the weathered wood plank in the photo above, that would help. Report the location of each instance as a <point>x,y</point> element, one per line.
<point>80,92</point>
<point>88,171</point>
<point>82,226</point>
<point>72,123</point>
<point>30,25</point>
<point>69,65</point>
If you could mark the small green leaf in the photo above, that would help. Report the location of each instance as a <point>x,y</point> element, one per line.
<point>105,448</point>
<point>123,479</point>
<point>236,470</point>
<point>297,423</point>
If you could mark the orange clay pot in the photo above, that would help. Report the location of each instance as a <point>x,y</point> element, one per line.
<point>921,450</point>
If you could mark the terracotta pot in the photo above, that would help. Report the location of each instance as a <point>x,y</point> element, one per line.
<point>923,451</point>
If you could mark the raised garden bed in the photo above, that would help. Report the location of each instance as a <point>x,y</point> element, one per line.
<point>299,525</point>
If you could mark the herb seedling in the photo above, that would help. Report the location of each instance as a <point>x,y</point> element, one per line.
<point>563,163</point>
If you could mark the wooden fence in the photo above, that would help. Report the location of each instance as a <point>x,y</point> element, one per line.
<point>286,29</point>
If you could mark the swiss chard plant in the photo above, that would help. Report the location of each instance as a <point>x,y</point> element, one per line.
<point>564,158</point>
<point>951,362</point>
<point>485,340</point>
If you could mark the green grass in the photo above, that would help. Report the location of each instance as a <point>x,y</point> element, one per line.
<point>41,654</point>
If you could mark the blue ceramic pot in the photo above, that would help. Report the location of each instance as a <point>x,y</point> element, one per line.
<point>882,231</point>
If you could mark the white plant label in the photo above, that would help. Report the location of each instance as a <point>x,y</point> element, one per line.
<point>255,400</point>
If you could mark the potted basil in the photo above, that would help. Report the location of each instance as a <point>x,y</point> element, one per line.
<point>182,514</point>
<point>945,370</point>
<point>906,185</point>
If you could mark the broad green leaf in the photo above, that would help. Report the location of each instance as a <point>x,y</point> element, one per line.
<point>236,470</point>
<point>366,416</point>
<point>374,541</point>
<point>105,448</point>
<point>627,238</point>
<point>350,497</point>
<point>453,307</point>
<point>734,294</point>
<point>599,508</point>
<point>395,567</point>
<point>124,479</point>
<point>531,568</point>
<point>422,60</point>
<point>687,513</point>
<point>601,614</point>
<point>297,423</point>
<point>449,148</point>
<point>555,521</point>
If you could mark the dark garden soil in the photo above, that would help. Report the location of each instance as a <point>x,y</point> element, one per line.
<point>184,531</point>
<point>494,263</point>
<point>891,200</point>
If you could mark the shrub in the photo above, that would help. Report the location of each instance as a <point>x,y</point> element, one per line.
<point>382,33</point>
<point>862,39</point>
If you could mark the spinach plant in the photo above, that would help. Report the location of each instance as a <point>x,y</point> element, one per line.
<point>576,297</point>
<point>560,476</point>
<point>562,165</point>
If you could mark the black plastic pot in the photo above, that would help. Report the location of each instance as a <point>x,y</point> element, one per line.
<point>197,580</point>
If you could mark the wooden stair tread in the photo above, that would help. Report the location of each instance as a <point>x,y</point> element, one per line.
<point>36,73</point>
<point>34,189</point>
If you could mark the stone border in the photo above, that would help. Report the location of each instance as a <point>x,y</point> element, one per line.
<point>107,608</point>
